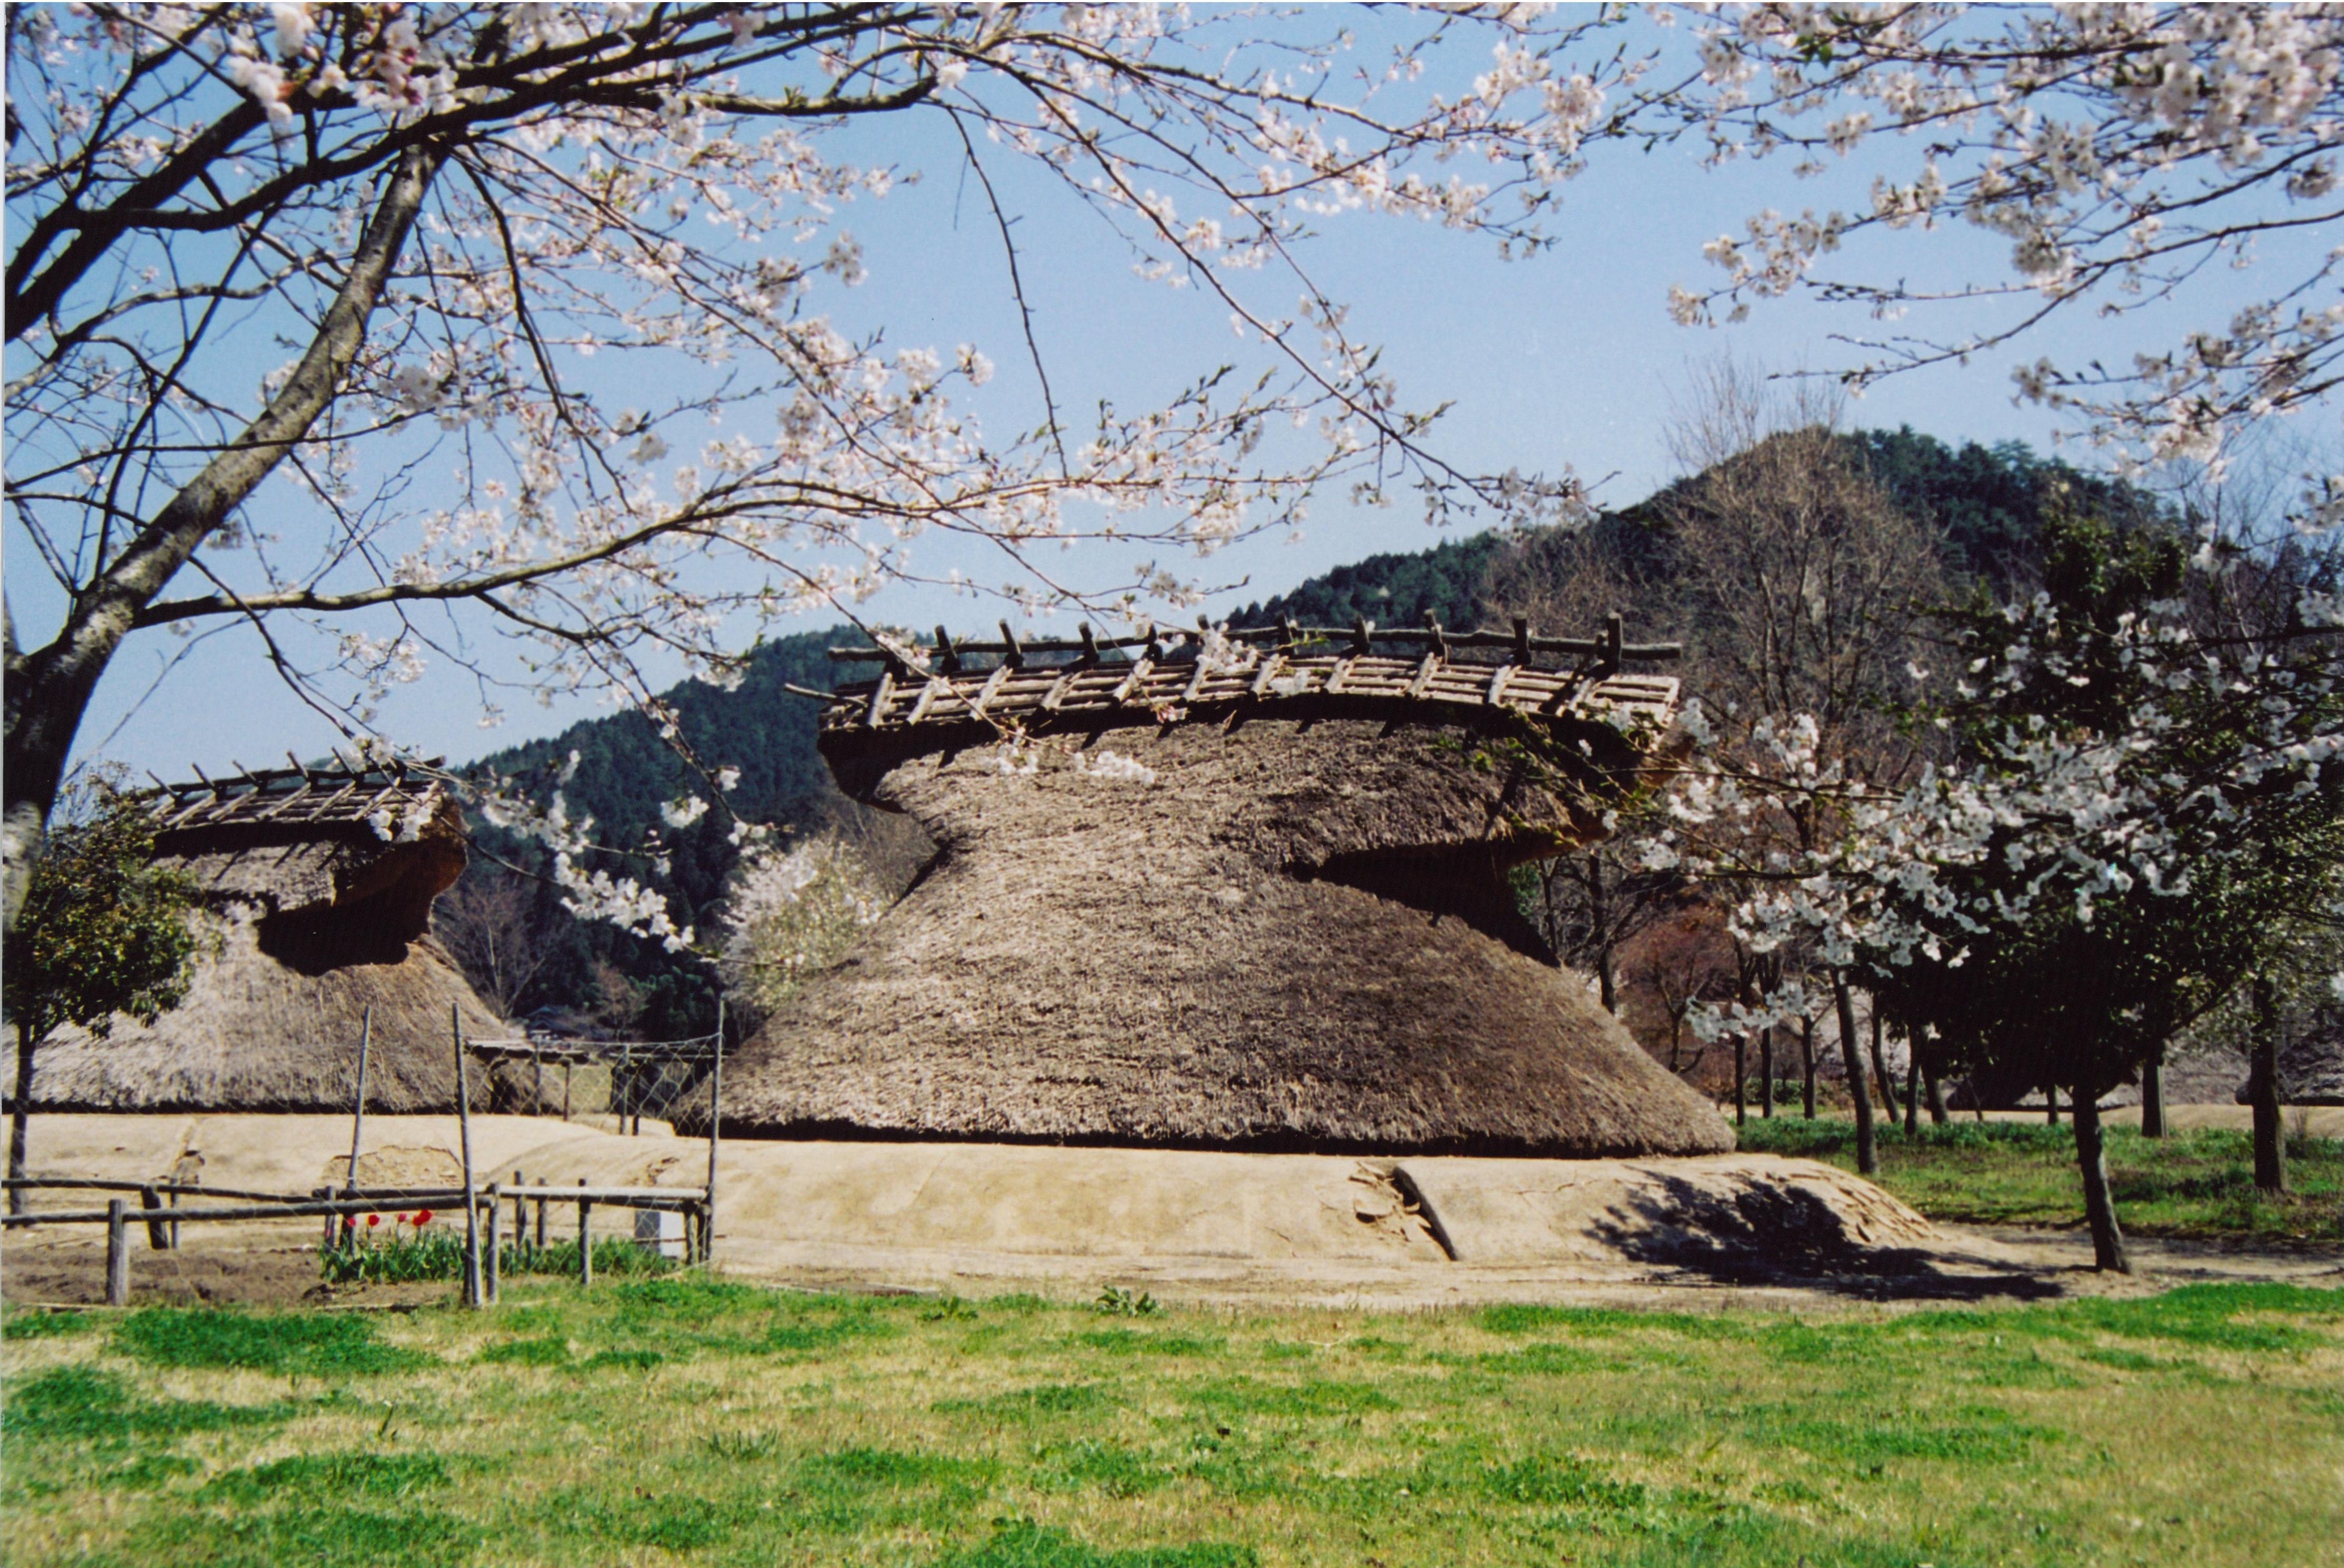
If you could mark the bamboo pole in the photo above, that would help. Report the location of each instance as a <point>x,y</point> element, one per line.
<point>357,1106</point>
<point>118,1254</point>
<point>715,1134</point>
<point>464,1135</point>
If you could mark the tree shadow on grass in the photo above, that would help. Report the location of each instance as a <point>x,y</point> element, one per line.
<point>1762,1232</point>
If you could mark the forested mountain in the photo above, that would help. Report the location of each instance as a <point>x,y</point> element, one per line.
<point>1985,505</point>
<point>1394,590</point>
<point>624,772</point>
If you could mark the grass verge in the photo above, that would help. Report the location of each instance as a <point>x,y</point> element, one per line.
<point>689,1420</point>
<point>2189,1184</point>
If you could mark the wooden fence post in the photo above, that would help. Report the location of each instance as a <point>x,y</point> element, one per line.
<point>585,1242</point>
<point>464,1132</point>
<point>158,1236</point>
<point>118,1254</point>
<point>715,1132</point>
<point>492,1276</point>
<point>358,1105</point>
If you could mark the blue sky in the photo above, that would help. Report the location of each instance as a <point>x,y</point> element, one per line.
<point>1568,358</point>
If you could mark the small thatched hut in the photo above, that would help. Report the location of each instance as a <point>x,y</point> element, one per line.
<point>1242,899</point>
<point>316,889</point>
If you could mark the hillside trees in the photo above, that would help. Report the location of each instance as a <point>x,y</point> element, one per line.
<point>442,212</point>
<point>1793,577</point>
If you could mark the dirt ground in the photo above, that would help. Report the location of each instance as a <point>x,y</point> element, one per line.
<point>1259,1229</point>
<point>254,1267</point>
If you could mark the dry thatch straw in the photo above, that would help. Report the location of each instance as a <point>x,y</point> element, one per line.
<point>1276,919</point>
<point>315,893</point>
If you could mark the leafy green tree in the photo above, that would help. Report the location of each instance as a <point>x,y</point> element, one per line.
<point>104,931</point>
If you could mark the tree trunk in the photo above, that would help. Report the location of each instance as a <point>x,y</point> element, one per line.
<point>1867,1151</point>
<point>2152,1094</point>
<point>2099,1207</point>
<point>1880,1065</point>
<point>1808,1087</point>
<point>19,1112</point>
<point>1766,1072</point>
<point>48,690</point>
<point>2051,1104</point>
<point>1600,910</point>
<point>2262,1091</point>
<point>1741,1094</point>
<point>1912,1092</point>
<point>1936,1089</point>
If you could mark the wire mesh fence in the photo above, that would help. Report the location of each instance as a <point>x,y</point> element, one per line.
<point>632,1081</point>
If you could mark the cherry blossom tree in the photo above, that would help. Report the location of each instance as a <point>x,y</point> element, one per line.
<point>791,914</point>
<point>2131,155</point>
<point>435,212</point>
<point>2146,801</point>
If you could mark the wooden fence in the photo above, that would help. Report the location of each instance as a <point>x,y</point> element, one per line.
<point>483,1263</point>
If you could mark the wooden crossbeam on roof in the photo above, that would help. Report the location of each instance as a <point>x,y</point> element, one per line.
<point>1379,683</point>
<point>1609,644</point>
<point>1267,673</point>
<point>992,687</point>
<point>288,796</point>
<point>936,686</point>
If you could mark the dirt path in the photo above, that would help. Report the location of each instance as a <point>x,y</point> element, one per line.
<point>1265,1230</point>
<point>264,1265</point>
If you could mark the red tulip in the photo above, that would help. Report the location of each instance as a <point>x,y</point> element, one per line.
<point>373,1220</point>
<point>423,1217</point>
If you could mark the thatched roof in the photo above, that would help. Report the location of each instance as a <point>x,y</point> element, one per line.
<point>1278,920</point>
<point>315,889</point>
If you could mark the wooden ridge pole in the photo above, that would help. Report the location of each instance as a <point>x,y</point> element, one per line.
<point>357,1106</point>
<point>464,1138</point>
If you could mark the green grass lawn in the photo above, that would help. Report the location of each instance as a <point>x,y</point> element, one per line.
<point>688,1420</point>
<point>2199,1184</point>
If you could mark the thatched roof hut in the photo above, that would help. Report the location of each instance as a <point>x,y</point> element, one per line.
<point>315,890</point>
<point>1256,900</point>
